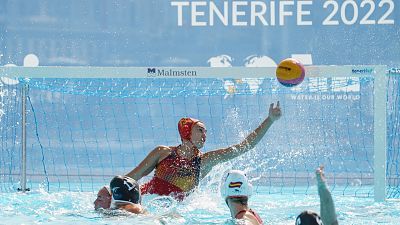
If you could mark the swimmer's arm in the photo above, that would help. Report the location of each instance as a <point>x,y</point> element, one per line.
<point>225,154</point>
<point>148,164</point>
<point>135,208</point>
<point>328,212</point>
<point>212,158</point>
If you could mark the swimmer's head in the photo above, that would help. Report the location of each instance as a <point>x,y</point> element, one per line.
<point>308,218</point>
<point>235,184</point>
<point>185,126</point>
<point>103,199</point>
<point>125,190</point>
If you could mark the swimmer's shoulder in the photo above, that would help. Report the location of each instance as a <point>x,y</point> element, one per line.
<point>163,151</point>
<point>248,218</point>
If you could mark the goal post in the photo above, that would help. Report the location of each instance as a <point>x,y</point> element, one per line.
<point>380,135</point>
<point>226,83</point>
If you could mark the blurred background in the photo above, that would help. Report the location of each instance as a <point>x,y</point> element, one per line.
<point>143,33</point>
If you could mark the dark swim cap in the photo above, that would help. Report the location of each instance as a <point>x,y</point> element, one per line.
<point>125,189</point>
<point>308,218</point>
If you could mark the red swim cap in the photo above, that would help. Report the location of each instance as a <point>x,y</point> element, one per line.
<point>185,127</point>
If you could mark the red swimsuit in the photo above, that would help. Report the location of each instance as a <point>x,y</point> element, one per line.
<point>254,213</point>
<point>174,176</point>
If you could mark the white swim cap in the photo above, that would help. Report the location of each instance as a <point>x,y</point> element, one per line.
<point>235,184</point>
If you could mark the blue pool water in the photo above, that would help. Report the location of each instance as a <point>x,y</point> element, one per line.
<point>202,207</point>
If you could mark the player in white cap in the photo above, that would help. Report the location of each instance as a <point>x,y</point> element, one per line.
<point>236,190</point>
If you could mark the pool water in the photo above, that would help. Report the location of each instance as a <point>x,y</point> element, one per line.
<point>202,207</point>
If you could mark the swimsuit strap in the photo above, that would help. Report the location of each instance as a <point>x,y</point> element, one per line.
<point>252,212</point>
<point>240,213</point>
